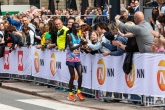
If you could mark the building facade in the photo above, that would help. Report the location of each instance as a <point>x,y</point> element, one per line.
<point>44,3</point>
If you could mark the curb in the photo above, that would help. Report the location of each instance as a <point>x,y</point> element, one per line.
<point>46,97</point>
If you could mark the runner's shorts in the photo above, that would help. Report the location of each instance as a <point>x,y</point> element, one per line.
<point>73,64</point>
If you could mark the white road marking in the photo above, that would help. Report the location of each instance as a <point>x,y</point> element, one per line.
<point>6,107</point>
<point>51,104</point>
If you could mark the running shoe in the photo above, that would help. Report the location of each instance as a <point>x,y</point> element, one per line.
<point>71,98</point>
<point>79,95</point>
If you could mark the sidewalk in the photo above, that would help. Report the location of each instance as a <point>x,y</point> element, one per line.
<point>60,96</point>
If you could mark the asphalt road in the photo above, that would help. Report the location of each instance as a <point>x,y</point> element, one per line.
<point>11,100</point>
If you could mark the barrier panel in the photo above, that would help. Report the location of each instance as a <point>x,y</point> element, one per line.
<point>147,76</point>
<point>50,64</point>
<point>16,62</point>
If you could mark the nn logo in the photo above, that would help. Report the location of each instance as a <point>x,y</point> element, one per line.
<point>36,61</point>
<point>54,64</point>
<point>84,69</point>
<point>161,76</point>
<point>6,60</point>
<point>76,75</point>
<point>20,60</point>
<point>130,78</point>
<point>101,72</point>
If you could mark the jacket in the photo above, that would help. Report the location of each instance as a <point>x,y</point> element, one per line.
<point>116,51</point>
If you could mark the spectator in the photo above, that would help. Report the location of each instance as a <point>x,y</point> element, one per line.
<point>32,11</point>
<point>142,31</point>
<point>131,45</point>
<point>161,7</point>
<point>71,20</point>
<point>2,42</point>
<point>37,38</point>
<point>44,28</point>
<point>131,14</point>
<point>53,34</point>
<point>26,21</point>
<point>86,30</point>
<point>158,35</point>
<point>132,4</point>
<point>114,50</point>
<point>94,40</point>
<point>137,8</point>
<point>153,20</point>
<point>43,11</point>
<point>61,34</point>
<point>13,22</point>
<point>124,17</point>
<point>11,40</point>
<point>29,39</point>
<point>161,20</point>
<point>158,46</point>
<point>101,28</point>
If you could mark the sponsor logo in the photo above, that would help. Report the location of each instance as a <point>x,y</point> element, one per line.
<point>161,76</point>
<point>101,72</point>
<point>53,64</point>
<point>6,60</point>
<point>130,78</point>
<point>37,62</point>
<point>20,60</point>
<point>76,74</point>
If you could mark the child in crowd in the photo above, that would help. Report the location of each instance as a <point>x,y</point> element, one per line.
<point>94,40</point>
<point>158,46</point>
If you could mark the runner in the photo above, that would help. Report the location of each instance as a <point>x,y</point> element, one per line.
<point>74,43</point>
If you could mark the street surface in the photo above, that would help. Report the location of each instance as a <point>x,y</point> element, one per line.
<point>11,100</point>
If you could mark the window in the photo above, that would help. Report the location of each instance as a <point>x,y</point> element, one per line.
<point>35,3</point>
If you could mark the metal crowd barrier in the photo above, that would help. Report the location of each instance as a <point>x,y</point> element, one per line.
<point>138,101</point>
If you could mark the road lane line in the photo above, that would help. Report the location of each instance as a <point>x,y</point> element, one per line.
<point>51,104</point>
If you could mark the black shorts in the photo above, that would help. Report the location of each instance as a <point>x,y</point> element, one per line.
<point>73,64</point>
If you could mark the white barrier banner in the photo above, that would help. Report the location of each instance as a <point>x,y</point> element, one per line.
<point>147,76</point>
<point>106,72</point>
<point>153,74</point>
<point>57,69</point>
<point>51,64</point>
<point>23,62</point>
<point>16,62</point>
<point>133,82</point>
<point>38,62</point>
